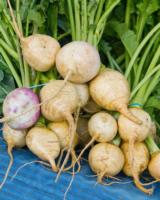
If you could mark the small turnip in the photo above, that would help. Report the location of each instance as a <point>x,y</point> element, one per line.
<point>61,129</point>
<point>45,144</point>
<point>110,90</point>
<point>38,50</point>
<point>14,139</point>
<point>137,163</point>
<point>79,59</point>
<point>106,160</point>
<point>20,108</point>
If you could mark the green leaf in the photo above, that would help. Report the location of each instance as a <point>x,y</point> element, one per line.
<point>1,75</point>
<point>127,37</point>
<point>3,5</point>
<point>36,17</point>
<point>153,102</point>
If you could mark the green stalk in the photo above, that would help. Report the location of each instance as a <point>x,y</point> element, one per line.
<point>140,47</point>
<point>99,11</point>
<point>5,35</point>
<point>84,21</point>
<point>120,59</point>
<point>151,85</point>
<point>102,22</point>
<point>18,16</point>
<point>36,82</point>
<point>117,140</point>
<point>71,19</point>
<point>143,59</point>
<point>8,49</point>
<point>139,98</point>
<point>141,27</point>
<point>77,19</point>
<point>27,75</point>
<point>152,146</point>
<point>127,22</point>
<point>11,67</point>
<point>63,35</point>
<point>92,11</point>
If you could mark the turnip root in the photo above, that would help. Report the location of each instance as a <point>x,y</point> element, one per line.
<point>102,127</point>
<point>61,129</point>
<point>136,164</point>
<point>80,60</point>
<point>38,50</point>
<point>13,138</point>
<point>82,131</point>
<point>45,144</point>
<point>60,107</point>
<point>110,90</point>
<point>131,133</point>
<point>17,108</point>
<point>91,107</point>
<point>83,93</point>
<point>106,160</point>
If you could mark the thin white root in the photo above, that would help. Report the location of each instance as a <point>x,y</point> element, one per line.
<point>29,163</point>
<point>9,166</point>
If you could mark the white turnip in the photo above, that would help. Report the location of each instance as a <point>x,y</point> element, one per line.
<point>83,94</point>
<point>80,60</point>
<point>106,160</point>
<point>110,90</point>
<point>45,144</point>
<point>137,163</point>
<point>38,50</point>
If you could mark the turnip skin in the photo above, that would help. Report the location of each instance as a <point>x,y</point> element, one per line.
<point>14,138</point>
<point>44,144</point>
<point>61,129</point>
<point>83,93</point>
<point>129,130</point>
<point>110,90</point>
<point>81,59</point>
<point>16,103</point>
<point>141,158</point>
<point>106,160</point>
<point>154,165</point>
<point>57,108</point>
<point>102,126</point>
<point>40,51</point>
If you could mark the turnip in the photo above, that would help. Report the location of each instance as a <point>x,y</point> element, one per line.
<point>13,138</point>
<point>38,50</point>
<point>110,90</point>
<point>91,107</point>
<point>61,129</point>
<point>154,163</point>
<point>131,133</point>
<point>136,164</point>
<point>80,60</point>
<point>20,108</point>
<point>102,127</point>
<point>45,144</point>
<point>82,131</point>
<point>83,93</point>
<point>60,107</point>
<point>106,160</point>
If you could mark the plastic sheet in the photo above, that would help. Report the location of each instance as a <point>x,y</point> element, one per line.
<point>36,182</point>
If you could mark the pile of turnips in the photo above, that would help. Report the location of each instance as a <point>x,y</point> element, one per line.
<point>80,110</point>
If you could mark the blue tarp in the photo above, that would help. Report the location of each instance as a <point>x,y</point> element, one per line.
<point>36,182</point>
